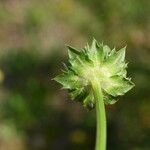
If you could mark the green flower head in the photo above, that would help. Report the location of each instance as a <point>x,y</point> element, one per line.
<point>95,63</point>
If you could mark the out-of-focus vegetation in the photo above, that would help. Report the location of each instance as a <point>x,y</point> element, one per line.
<point>34,113</point>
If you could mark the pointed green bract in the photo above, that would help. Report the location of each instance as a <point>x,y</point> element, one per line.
<point>98,62</point>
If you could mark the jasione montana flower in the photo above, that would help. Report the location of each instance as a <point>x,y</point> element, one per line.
<point>95,63</point>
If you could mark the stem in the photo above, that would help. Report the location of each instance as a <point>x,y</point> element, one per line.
<point>101,117</point>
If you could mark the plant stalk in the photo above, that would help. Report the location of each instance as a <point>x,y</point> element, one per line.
<point>100,116</point>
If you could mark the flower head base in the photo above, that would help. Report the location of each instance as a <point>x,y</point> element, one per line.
<point>95,63</point>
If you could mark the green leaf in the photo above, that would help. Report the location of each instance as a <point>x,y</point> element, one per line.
<point>100,53</point>
<point>108,99</point>
<point>72,49</point>
<point>116,63</point>
<point>69,80</point>
<point>92,51</point>
<point>117,57</point>
<point>106,51</point>
<point>112,52</point>
<point>72,52</point>
<point>117,86</point>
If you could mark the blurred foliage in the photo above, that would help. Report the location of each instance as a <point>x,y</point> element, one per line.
<point>34,113</point>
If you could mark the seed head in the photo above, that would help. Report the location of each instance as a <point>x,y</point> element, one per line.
<point>96,62</point>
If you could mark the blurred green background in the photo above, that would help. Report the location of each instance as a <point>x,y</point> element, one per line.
<point>35,114</point>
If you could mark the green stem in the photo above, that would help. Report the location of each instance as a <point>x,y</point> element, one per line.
<point>101,117</point>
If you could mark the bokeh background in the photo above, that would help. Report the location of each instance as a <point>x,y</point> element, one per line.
<point>35,114</point>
